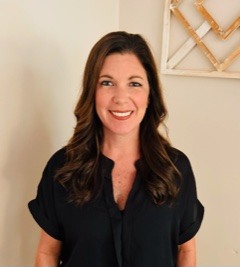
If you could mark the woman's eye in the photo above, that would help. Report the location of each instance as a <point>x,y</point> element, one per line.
<point>135,84</point>
<point>106,83</point>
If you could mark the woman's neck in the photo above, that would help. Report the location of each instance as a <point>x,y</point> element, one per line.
<point>117,146</point>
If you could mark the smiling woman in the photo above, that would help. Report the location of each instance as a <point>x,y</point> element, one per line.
<point>118,194</point>
<point>122,95</point>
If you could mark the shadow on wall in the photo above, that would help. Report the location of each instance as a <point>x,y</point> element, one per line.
<point>29,147</point>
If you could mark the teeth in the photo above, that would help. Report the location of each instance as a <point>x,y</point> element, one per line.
<point>121,114</point>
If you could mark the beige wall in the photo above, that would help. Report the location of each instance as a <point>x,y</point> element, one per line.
<point>44,45</point>
<point>204,122</point>
<point>43,48</point>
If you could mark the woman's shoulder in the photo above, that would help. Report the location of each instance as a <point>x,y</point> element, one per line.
<point>55,162</point>
<point>179,158</point>
<point>57,159</point>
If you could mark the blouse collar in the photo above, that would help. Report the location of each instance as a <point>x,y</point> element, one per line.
<point>107,165</point>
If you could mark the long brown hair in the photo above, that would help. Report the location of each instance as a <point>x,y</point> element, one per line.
<point>81,170</point>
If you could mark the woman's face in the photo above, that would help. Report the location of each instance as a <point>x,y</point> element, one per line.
<point>122,94</point>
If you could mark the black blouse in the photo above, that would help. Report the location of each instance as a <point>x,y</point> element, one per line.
<point>100,235</point>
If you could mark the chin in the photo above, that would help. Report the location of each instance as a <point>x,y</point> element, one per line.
<point>123,132</point>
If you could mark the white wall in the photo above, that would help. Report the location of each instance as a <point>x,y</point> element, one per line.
<point>43,49</point>
<point>204,122</point>
<point>44,45</point>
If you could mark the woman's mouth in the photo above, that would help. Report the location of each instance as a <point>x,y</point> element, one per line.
<point>121,115</point>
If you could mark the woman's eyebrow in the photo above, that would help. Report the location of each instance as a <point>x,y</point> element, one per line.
<point>106,76</point>
<point>135,76</point>
<point>130,78</point>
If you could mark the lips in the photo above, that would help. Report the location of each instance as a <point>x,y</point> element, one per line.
<point>121,115</point>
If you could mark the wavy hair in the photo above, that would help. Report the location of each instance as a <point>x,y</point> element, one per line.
<point>80,173</point>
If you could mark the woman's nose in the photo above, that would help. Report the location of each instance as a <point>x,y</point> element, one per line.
<point>120,95</point>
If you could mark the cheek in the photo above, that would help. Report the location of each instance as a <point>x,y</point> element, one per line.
<point>100,103</point>
<point>143,101</point>
<point>99,99</point>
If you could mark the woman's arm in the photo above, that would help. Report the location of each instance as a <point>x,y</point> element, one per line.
<point>187,254</point>
<point>48,251</point>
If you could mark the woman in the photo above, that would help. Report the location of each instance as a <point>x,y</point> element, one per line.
<point>118,194</point>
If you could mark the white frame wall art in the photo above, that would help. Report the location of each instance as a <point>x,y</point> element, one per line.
<point>201,38</point>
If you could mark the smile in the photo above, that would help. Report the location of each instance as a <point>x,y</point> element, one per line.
<point>121,115</point>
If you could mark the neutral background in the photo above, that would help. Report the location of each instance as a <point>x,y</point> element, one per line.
<point>43,49</point>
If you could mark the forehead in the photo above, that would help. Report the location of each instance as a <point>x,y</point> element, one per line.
<point>125,61</point>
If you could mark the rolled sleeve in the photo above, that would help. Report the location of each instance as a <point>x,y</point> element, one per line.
<point>189,230</point>
<point>43,207</point>
<point>192,209</point>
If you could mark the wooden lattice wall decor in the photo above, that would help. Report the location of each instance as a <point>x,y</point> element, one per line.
<point>197,43</point>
